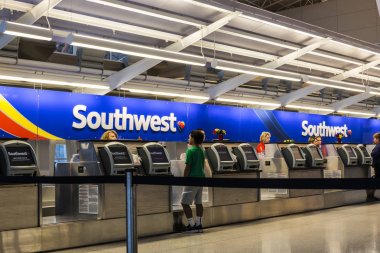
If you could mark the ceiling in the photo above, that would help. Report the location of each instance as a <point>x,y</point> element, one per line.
<point>251,57</point>
<point>279,5</point>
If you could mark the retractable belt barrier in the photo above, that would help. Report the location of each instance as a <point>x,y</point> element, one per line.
<point>129,180</point>
<point>293,183</point>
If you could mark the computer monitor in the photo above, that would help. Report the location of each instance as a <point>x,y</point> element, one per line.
<point>364,150</point>
<point>120,155</point>
<point>20,156</point>
<point>350,151</point>
<point>249,153</point>
<point>297,152</point>
<point>223,152</point>
<point>157,154</point>
<point>314,152</point>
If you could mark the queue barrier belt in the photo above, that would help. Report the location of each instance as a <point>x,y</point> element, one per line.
<point>289,183</point>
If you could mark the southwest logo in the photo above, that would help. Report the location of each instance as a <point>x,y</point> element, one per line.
<point>121,120</point>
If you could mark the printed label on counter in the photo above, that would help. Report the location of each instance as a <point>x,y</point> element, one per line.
<point>88,199</point>
<point>332,174</point>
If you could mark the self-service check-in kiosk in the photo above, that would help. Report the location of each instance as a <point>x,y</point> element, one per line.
<point>18,159</point>
<point>20,202</point>
<point>220,158</point>
<point>116,158</point>
<point>223,165</point>
<point>313,155</point>
<point>296,159</point>
<point>246,156</point>
<point>364,158</point>
<point>348,155</point>
<point>155,161</point>
<point>350,159</point>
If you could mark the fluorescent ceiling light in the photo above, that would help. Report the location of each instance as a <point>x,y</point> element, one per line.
<point>27,31</point>
<point>133,49</point>
<point>335,58</point>
<point>56,82</point>
<point>357,113</point>
<point>377,93</point>
<point>144,11</point>
<point>253,70</point>
<point>209,6</point>
<point>165,94</point>
<point>335,84</point>
<point>248,102</point>
<point>309,108</point>
<point>206,6</point>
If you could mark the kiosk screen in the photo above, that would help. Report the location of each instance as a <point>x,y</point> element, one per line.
<point>365,152</point>
<point>223,153</point>
<point>297,153</point>
<point>20,156</point>
<point>249,153</point>
<point>158,154</point>
<point>120,155</point>
<point>315,153</point>
<point>350,152</point>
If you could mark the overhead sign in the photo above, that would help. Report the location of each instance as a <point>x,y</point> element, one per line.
<point>43,114</point>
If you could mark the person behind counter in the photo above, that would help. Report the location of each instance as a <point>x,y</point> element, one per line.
<point>316,140</point>
<point>195,160</point>
<point>264,138</point>
<point>375,154</point>
<point>109,135</point>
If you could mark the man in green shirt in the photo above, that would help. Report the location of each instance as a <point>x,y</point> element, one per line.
<point>195,160</point>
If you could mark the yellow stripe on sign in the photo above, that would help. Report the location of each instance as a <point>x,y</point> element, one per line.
<point>16,116</point>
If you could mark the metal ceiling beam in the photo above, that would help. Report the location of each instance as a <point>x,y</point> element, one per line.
<point>377,110</point>
<point>355,71</point>
<point>117,26</point>
<point>142,31</point>
<point>351,100</point>
<point>30,17</point>
<point>235,82</point>
<point>295,95</point>
<point>272,4</point>
<point>127,74</point>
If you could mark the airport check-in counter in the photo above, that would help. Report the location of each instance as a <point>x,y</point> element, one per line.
<point>80,201</point>
<point>20,203</point>
<point>115,157</point>
<point>306,163</point>
<point>155,161</point>
<point>273,165</point>
<point>224,165</point>
<point>350,159</point>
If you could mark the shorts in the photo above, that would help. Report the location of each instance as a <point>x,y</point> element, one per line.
<point>190,194</point>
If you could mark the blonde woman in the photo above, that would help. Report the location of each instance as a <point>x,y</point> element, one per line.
<point>109,135</point>
<point>264,138</point>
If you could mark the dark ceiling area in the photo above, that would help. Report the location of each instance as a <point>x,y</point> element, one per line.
<point>279,5</point>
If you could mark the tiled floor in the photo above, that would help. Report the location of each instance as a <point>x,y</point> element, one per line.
<point>340,230</point>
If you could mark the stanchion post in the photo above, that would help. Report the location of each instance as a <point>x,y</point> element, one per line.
<point>131,224</point>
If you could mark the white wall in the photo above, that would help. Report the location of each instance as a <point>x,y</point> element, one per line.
<point>356,18</point>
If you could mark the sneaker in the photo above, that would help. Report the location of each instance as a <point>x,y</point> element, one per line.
<point>199,228</point>
<point>190,229</point>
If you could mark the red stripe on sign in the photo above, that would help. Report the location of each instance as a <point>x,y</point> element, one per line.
<point>11,127</point>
